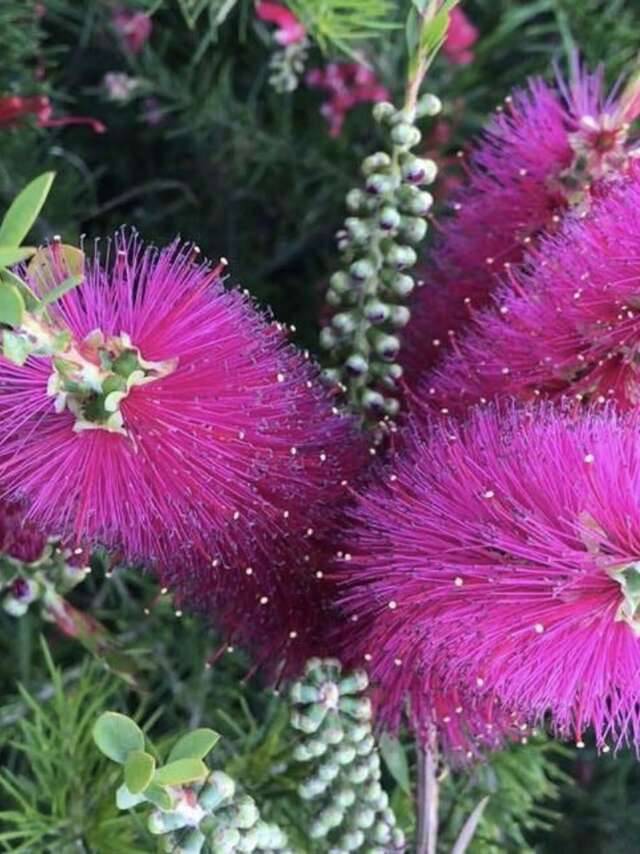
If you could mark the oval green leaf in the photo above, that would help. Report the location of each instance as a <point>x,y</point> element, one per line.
<point>138,770</point>
<point>16,348</point>
<point>11,305</point>
<point>24,210</point>
<point>180,772</point>
<point>158,797</point>
<point>194,745</point>
<point>117,735</point>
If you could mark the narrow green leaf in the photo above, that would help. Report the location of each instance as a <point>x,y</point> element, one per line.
<point>138,770</point>
<point>157,795</point>
<point>180,772</point>
<point>12,255</point>
<point>116,735</point>
<point>194,745</point>
<point>24,210</point>
<point>64,287</point>
<point>16,348</point>
<point>395,759</point>
<point>469,828</point>
<point>11,305</point>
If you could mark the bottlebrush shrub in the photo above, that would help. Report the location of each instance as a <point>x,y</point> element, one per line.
<point>504,556</point>
<point>538,157</point>
<point>175,426</point>
<point>566,324</point>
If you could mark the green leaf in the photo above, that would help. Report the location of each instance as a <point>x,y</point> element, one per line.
<point>68,285</point>
<point>16,348</point>
<point>12,255</point>
<point>194,745</point>
<point>469,828</point>
<point>157,795</point>
<point>31,301</point>
<point>24,210</point>
<point>396,761</point>
<point>116,735</point>
<point>138,770</point>
<point>180,772</point>
<point>11,305</point>
<point>126,799</point>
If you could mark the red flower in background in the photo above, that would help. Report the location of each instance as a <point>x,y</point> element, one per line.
<point>347,84</point>
<point>289,29</point>
<point>15,109</point>
<point>134,28</point>
<point>461,36</point>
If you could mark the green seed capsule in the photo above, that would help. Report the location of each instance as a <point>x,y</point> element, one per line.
<point>340,283</point>
<point>352,841</point>
<point>376,163</point>
<point>389,219</point>
<point>373,401</point>
<point>413,229</point>
<point>301,692</point>
<point>391,406</point>
<point>328,338</point>
<point>354,683</point>
<point>401,257</point>
<point>383,111</point>
<point>361,270</point>
<point>355,201</point>
<point>345,798</point>
<point>356,365</point>
<point>399,316</point>
<point>376,311</point>
<point>387,347</point>
<point>429,105</point>
<point>344,322</point>
<point>377,184</point>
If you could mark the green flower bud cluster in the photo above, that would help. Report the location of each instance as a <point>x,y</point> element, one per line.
<point>287,65</point>
<point>40,581</point>
<point>340,752</point>
<point>195,809</point>
<point>227,821</point>
<point>386,221</point>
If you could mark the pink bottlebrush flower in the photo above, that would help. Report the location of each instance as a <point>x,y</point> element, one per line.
<point>347,84</point>
<point>289,29</point>
<point>503,556</point>
<point>15,109</point>
<point>134,28</point>
<point>538,158</point>
<point>460,38</point>
<point>567,325</point>
<point>223,450</point>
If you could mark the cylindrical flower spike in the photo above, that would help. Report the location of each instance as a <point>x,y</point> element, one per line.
<point>509,548</point>
<point>547,151</point>
<point>565,326</point>
<point>214,460</point>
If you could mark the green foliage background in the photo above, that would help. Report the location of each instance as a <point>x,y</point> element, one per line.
<point>251,175</point>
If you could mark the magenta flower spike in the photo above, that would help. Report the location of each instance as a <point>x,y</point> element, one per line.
<point>501,559</point>
<point>565,326</point>
<point>180,430</point>
<point>548,151</point>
